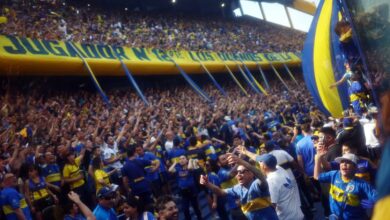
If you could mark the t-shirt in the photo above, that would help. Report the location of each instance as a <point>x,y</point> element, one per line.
<point>102,213</point>
<point>283,159</point>
<point>305,149</point>
<point>109,153</point>
<point>369,127</point>
<point>101,175</point>
<point>73,170</point>
<point>134,171</point>
<point>255,200</point>
<point>52,174</point>
<point>175,154</point>
<point>184,177</point>
<point>356,189</point>
<point>152,176</point>
<point>11,199</point>
<point>227,182</point>
<point>284,193</point>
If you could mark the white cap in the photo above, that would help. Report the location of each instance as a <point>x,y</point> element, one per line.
<point>348,156</point>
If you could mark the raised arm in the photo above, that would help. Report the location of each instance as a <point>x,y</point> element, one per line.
<point>205,182</point>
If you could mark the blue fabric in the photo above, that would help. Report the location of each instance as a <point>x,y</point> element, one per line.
<point>184,177</point>
<point>52,169</point>
<point>9,196</point>
<point>307,61</point>
<point>305,148</point>
<point>254,191</point>
<point>175,153</point>
<point>104,214</point>
<point>356,187</point>
<point>149,174</point>
<point>133,170</point>
<point>224,176</point>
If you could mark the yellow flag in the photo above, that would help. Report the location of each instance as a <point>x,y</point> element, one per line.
<point>3,20</point>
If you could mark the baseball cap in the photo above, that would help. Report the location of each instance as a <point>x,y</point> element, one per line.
<point>348,156</point>
<point>105,192</point>
<point>268,159</point>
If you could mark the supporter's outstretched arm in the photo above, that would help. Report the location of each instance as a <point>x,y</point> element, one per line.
<point>233,159</point>
<point>83,208</point>
<point>172,168</point>
<point>242,150</point>
<point>318,164</point>
<point>205,182</point>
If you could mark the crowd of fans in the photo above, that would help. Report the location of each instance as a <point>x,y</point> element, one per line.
<point>62,146</point>
<point>55,20</point>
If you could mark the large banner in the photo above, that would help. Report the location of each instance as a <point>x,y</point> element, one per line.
<point>23,56</point>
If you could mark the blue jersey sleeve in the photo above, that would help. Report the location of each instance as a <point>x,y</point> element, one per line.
<point>13,199</point>
<point>326,177</point>
<point>234,191</point>
<point>213,178</point>
<point>369,192</point>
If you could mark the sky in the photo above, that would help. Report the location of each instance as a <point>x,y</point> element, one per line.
<point>276,13</point>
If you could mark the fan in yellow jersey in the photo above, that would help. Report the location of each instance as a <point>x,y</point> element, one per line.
<point>101,177</point>
<point>73,175</point>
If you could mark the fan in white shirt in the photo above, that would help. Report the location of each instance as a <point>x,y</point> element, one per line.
<point>284,191</point>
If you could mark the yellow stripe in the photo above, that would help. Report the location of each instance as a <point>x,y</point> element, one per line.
<point>365,176</point>
<point>381,210</point>
<point>323,70</point>
<point>7,209</point>
<point>338,195</point>
<point>55,177</point>
<point>357,96</point>
<point>229,183</point>
<point>39,194</point>
<point>235,80</point>
<point>256,204</point>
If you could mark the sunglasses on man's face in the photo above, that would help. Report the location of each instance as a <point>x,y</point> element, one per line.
<point>242,171</point>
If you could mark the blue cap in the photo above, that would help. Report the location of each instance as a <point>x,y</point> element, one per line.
<point>268,159</point>
<point>347,122</point>
<point>105,192</point>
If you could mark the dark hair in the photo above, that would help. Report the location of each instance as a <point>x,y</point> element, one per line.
<point>161,201</point>
<point>306,128</point>
<point>328,131</point>
<point>193,141</point>
<point>299,129</point>
<point>339,26</point>
<point>131,151</point>
<point>135,202</point>
<point>96,163</point>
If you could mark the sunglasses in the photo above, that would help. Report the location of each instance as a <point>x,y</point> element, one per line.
<point>242,171</point>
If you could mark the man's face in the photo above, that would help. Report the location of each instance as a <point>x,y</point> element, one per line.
<point>139,151</point>
<point>347,168</point>
<point>170,211</point>
<point>223,160</point>
<point>244,176</point>
<point>183,160</point>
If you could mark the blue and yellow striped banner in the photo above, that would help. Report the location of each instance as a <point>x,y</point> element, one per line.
<point>318,60</point>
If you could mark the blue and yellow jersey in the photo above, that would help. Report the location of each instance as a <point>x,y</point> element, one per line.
<point>197,153</point>
<point>184,177</point>
<point>364,170</point>
<point>10,199</point>
<point>52,174</point>
<point>175,154</point>
<point>38,190</point>
<point>345,197</point>
<point>210,152</point>
<point>228,182</point>
<point>73,170</point>
<point>255,200</point>
<point>150,175</point>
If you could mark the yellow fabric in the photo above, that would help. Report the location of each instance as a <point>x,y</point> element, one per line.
<point>54,177</point>
<point>256,204</point>
<point>338,194</point>
<point>323,62</point>
<point>382,210</point>
<point>71,171</point>
<point>229,183</point>
<point>3,20</point>
<point>101,175</point>
<point>23,132</point>
<point>346,36</point>
<point>39,194</point>
<point>357,96</point>
<point>365,176</point>
<point>9,210</point>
